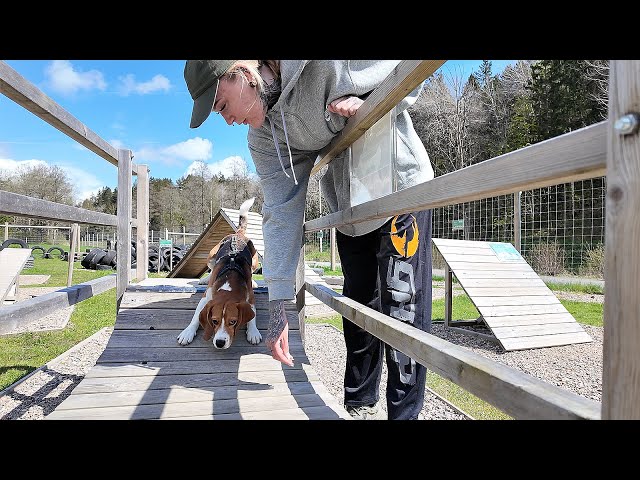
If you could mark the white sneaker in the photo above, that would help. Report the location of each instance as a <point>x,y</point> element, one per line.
<point>366,412</point>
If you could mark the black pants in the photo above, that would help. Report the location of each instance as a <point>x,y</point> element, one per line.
<point>388,270</point>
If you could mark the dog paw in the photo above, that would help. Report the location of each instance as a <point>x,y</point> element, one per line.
<point>253,336</point>
<point>186,336</point>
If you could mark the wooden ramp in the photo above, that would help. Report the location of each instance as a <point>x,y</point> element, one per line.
<point>513,301</point>
<point>144,374</point>
<point>12,261</point>
<point>194,262</point>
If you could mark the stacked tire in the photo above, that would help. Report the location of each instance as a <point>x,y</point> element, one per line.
<point>160,259</point>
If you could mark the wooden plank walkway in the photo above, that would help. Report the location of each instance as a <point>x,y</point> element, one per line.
<point>144,374</point>
<point>12,261</point>
<point>514,302</point>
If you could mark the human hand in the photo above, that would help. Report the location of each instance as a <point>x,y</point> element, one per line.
<point>278,333</point>
<point>346,106</point>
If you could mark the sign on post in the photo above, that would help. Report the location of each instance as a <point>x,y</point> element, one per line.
<point>166,243</point>
<point>457,224</point>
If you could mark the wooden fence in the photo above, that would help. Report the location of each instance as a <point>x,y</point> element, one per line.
<point>24,93</point>
<point>608,148</point>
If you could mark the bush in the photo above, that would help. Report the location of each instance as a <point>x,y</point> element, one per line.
<point>547,258</point>
<point>593,265</point>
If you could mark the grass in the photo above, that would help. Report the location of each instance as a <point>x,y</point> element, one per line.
<point>23,353</point>
<point>463,308</point>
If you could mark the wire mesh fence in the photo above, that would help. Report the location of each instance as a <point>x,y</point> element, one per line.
<point>561,227</point>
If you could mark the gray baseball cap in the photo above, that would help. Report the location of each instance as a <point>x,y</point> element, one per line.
<point>202,78</point>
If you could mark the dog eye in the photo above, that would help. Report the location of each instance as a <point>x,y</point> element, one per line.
<point>232,322</point>
<point>215,322</point>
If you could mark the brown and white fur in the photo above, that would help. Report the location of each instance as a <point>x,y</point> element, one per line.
<point>228,302</point>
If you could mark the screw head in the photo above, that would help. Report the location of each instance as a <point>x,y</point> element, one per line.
<point>627,124</point>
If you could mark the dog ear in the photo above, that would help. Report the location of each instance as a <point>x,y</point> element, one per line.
<point>245,313</point>
<point>205,321</point>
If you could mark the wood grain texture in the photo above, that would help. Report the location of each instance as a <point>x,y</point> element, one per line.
<point>142,227</point>
<point>23,313</point>
<point>621,366</point>
<point>12,261</point>
<point>14,204</point>
<point>577,155</point>
<point>124,226</point>
<point>143,373</point>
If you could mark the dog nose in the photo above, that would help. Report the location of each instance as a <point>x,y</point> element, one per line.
<point>220,343</point>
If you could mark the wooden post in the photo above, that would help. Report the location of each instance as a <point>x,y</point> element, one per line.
<point>124,224</point>
<point>621,355</point>
<point>517,222</point>
<point>6,230</point>
<point>333,248</point>
<point>184,235</point>
<point>448,295</point>
<point>73,245</point>
<point>142,205</point>
<point>300,292</point>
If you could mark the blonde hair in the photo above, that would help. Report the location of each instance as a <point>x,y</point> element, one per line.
<point>268,94</point>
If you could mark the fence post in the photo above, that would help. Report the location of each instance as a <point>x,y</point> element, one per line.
<point>333,248</point>
<point>184,236</point>
<point>73,245</point>
<point>621,357</point>
<point>517,222</point>
<point>124,224</point>
<point>142,243</point>
<point>6,230</point>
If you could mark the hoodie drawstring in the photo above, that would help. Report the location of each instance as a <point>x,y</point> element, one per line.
<point>275,141</point>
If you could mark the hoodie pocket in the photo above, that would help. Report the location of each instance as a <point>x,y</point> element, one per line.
<point>335,122</point>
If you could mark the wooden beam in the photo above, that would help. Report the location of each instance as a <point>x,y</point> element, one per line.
<point>142,231</point>
<point>573,156</point>
<point>621,356</point>
<point>407,75</point>
<point>23,313</point>
<point>24,93</point>
<point>124,224</point>
<point>74,239</point>
<point>516,393</point>
<point>14,204</point>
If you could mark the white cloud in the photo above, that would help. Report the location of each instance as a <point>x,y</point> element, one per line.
<point>128,85</point>
<point>226,167</point>
<point>63,78</point>
<point>84,184</point>
<point>189,150</point>
<point>12,166</point>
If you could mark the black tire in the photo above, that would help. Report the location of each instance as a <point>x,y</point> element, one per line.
<point>95,261</point>
<point>86,261</point>
<point>104,267</point>
<point>13,241</point>
<point>109,258</point>
<point>36,249</point>
<point>51,251</point>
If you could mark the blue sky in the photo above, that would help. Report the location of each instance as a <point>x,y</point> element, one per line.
<point>142,105</point>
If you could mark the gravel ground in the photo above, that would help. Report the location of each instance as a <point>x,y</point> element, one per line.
<point>577,368</point>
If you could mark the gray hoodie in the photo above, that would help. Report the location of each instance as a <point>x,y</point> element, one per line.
<point>297,127</point>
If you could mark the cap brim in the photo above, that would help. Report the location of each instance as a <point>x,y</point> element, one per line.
<point>202,106</point>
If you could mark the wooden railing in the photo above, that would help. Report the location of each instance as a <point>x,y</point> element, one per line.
<point>21,91</point>
<point>608,148</point>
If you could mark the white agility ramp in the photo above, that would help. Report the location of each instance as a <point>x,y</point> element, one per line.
<point>513,301</point>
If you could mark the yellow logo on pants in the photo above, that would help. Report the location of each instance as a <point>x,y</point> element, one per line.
<point>404,245</point>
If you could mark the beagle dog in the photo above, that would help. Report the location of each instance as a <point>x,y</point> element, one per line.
<point>228,302</point>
